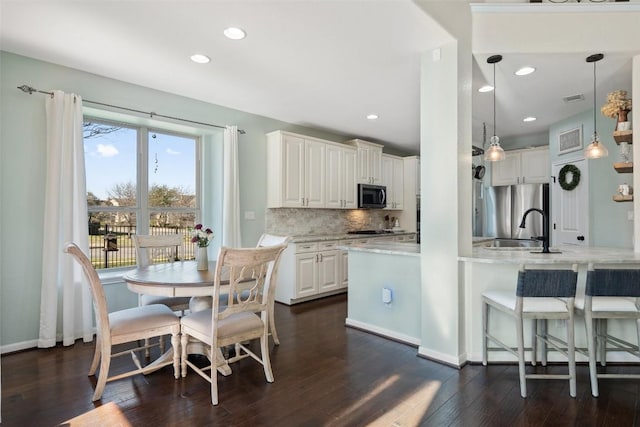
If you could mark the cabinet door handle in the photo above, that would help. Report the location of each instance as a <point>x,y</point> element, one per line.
<point>523,179</point>
<point>302,201</point>
<point>320,255</point>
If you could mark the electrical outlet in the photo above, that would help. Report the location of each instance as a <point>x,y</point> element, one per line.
<point>249,215</point>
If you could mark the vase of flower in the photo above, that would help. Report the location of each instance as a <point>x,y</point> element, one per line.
<point>202,258</point>
<point>202,237</point>
<point>618,107</point>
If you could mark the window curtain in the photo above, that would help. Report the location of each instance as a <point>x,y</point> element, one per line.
<point>230,189</point>
<point>66,305</point>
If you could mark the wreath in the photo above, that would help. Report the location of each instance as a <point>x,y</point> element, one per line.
<point>575,177</point>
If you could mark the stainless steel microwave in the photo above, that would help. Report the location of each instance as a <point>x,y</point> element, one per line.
<point>372,196</point>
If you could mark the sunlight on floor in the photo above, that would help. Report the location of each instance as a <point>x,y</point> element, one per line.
<point>105,415</point>
<point>409,409</point>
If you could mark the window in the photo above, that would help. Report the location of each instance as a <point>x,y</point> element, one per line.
<point>139,181</point>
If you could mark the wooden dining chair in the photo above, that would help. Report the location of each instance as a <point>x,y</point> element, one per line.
<point>159,249</point>
<point>267,240</point>
<point>155,249</point>
<point>244,317</point>
<point>125,326</point>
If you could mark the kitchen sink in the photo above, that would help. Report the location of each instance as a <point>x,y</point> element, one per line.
<point>515,243</point>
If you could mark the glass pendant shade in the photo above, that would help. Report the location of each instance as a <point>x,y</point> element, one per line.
<point>595,150</point>
<point>494,153</point>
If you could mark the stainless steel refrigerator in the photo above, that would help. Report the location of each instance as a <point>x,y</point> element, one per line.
<point>504,207</point>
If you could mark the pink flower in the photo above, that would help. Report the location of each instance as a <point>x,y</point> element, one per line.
<point>201,236</point>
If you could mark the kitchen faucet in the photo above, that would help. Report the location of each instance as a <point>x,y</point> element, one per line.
<point>545,219</point>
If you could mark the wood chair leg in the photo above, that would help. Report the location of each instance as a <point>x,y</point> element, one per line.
<point>266,361</point>
<point>602,337</point>
<point>534,341</point>
<point>571,354</point>
<point>591,347</point>
<point>485,331</point>
<point>96,357</point>
<point>175,342</point>
<point>272,325</point>
<point>543,349</point>
<point>214,383</point>
<point>183,346</point>
<point>105,362</point>
<point>521,365</point>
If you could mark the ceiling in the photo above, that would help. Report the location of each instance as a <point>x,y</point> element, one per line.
<point>541,93</point>
<point>322,64</point>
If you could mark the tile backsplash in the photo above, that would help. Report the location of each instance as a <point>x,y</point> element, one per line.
<point>292,221</point>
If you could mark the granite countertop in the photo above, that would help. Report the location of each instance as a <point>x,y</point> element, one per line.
<point>305,238</point>
<point>389,248</point>
<point>568,254</point>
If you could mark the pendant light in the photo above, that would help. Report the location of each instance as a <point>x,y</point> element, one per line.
<point>495,152</point>
<point>595,149</point>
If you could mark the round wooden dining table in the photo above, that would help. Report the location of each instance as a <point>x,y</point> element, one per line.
<point>179,279</point>
<point>175,279</point>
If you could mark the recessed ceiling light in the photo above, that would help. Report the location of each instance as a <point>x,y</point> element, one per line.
<point>372,116</point>
<point>200,58</point>
<point>525,71</point>
<point>529,119</point>
<point>235,33</point>
<point>486,88</point>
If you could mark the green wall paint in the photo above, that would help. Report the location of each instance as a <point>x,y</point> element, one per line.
<point>22,172</point>
<point>609,226</point>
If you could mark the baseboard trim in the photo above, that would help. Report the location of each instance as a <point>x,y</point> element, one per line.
<point>446,359</point>
<point>387,333</point>
<point>18,346</point>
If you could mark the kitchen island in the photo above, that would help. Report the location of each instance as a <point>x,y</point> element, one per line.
<point>385,289</point>
<point>497,268</point>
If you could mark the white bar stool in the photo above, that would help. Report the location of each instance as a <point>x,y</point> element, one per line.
<point>612,292</point>
<point>542,292</point>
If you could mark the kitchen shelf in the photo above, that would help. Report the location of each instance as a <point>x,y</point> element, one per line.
<point>623,167</point>
<point>621,198</point>
<point>623,136</point>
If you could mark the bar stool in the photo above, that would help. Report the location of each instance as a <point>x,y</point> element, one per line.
<point>612,292</point>
<point>543,292</point>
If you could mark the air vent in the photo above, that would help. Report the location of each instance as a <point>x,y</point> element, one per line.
<point>573,98</point>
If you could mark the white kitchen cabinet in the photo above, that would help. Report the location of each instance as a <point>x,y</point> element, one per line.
<point>296,171</point>
<point>393,179</point>
<point>310,270</point>
<point>341,189</point>
<point>369,161</point>
<point>530,166</point>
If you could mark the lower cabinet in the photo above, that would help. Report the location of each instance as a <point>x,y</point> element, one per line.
<point>310,270</point>
<point>316,269</point>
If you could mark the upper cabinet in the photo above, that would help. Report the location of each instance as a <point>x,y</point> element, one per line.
<point>341,192</point>
<point>296,171</point>
<point>393,179</point>
<point>528,166</point>
<point>369,161</point>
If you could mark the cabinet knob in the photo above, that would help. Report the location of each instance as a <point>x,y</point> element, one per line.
<point>581,238</point>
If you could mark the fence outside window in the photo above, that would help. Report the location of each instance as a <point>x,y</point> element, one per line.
<point>112,246</point>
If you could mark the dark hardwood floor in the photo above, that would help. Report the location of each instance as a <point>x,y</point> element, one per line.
<point>325,375</point>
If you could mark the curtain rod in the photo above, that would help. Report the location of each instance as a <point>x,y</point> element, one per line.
<point>30,90</point>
